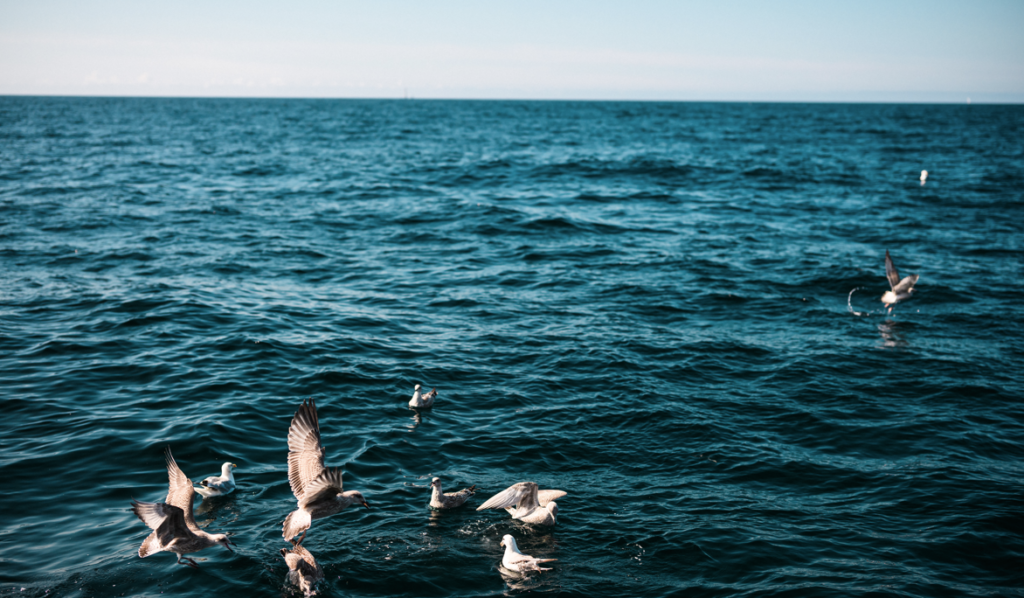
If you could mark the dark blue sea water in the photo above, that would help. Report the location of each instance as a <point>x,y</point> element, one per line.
<point>644,304</point>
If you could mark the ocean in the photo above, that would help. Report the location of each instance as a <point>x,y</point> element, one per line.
<point>669,310</point>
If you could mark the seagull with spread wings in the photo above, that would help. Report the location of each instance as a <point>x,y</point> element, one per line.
<point>174,527</point>
<point>317,488</point>
<point>901,289</point>
<point>525,502</point>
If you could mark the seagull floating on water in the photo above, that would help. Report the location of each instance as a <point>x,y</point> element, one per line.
<point>422,401</point>
<point>448,500</point>
<point>901,289</point>
<point>303,569</point>
<point>174,527</point>
<point>525,502</point>
<point>517,561</point>
<point>924,176</point>
<point>218,485</point>
<point>317,488</point>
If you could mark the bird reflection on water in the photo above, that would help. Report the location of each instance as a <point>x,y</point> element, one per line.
<point>894,334</point>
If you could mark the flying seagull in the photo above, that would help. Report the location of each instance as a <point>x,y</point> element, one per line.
<point>317,488</point>
<point>526,503</point>
<point>901,289</point>
<point>174,527</point>
<point>517,561</point>
<point>422,400</point>
<point>303,569</point>
<point>218,485</point>
<point>448,500</point>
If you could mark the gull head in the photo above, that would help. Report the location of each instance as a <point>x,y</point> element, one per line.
<point>417,387</point>
<point>435,483</point>
<point>354,496</point>
<point>224,541</point>
<point>508,541</point>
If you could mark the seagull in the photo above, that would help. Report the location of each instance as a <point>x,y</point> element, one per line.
<point>517,561</point>
<point>449,500</point>
<point>424,401</point>
<point>317,489</point>
<point>303,569</point>
<point>531,505</point>
<point>174,527</point>
<point>924,176</point>
<point>901,289</point>
<point>218,485</point>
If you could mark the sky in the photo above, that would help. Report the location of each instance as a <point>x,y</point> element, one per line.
<point>823,50</point>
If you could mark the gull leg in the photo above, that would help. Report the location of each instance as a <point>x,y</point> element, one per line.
<point>301,538</point>
<point>189,562</point>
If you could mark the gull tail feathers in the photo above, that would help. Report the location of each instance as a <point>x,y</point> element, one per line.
<point>297,522</point>
<point>151,545</point>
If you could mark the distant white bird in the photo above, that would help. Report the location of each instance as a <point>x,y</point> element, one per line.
<point>525,502</point>
<point>174,527</point>
<point>317,488</point>
<point>901,289</point>
<point>924,176</point>
<point>303,569</point>
<point>422,401</point>
<point>449,500</point>
<point>219,485</point>
<point>513,560</point>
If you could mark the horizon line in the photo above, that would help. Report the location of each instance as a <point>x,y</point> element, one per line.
<point>965,102</point>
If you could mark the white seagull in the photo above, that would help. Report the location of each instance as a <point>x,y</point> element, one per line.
<point>303,569</point>
<point>924,176</point>
<point>448,500</point>
<point>317,488</point>
<point>901,289</point>
<point>424,400</point>
<point>517,561</point>
<point>218,485</point>
<point>174,527</point>
<point>525,502</point>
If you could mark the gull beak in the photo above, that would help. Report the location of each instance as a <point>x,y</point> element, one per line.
<point>502,543</point>
<point>233,466</point>
<point>366,505</point>
<point>228,544</point>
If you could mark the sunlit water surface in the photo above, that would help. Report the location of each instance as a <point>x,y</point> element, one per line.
<point>643,304</point>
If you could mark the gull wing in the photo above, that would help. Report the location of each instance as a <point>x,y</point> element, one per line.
<point>328,485</point>
<point>546,496</point>
<point>180,492</point>
<point>891,272</point>
<point>523,494</point>
<point>168,521</point>
<point>305,453</point>
<point>906,284</point>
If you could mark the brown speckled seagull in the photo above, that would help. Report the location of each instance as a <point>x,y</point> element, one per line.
<point>174,527</point>
<point>303,569</point>
<point>317,488</point>
<point>448,500</point>
<point>525,502</point>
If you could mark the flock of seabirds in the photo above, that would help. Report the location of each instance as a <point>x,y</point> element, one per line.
<point>319,492</point>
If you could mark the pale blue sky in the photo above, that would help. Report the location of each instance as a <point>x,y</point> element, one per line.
<point>655,50</point>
